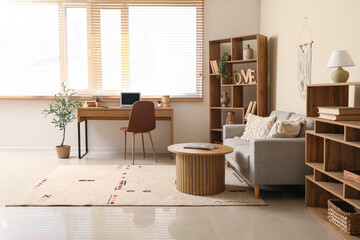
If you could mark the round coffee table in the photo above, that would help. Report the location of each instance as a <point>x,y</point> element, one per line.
<point>200,172</point>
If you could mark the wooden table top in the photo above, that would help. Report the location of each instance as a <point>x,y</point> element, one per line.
<point>118,108</point>
<point>179,148</point>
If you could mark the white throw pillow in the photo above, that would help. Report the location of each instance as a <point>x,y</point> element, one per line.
<point>286,128</point>
<point>257,127</point>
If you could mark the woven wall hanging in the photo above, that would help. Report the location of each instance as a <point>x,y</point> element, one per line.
<point>304,55</point>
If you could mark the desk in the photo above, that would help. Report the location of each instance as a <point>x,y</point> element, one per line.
<point>117,113</point>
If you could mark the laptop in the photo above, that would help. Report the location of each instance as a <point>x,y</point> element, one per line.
<point>127,99</point>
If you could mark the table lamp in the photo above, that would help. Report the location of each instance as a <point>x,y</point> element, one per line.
<point>339,59</point>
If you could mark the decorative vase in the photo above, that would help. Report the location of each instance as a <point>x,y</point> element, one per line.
<point>98,104</point>
<point>63,152</point>
<point>230,118</point>
<point>248,52</point>
<point>160,105</point>
<point>224,100</point>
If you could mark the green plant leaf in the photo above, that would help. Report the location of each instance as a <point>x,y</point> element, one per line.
<point>224,71</point>
<point>63,109</point>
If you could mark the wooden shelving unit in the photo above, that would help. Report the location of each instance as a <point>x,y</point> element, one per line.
<point>332,147</point>
<point>239,93</point>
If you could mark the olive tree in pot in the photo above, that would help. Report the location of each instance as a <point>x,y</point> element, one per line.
<point>64,111</point>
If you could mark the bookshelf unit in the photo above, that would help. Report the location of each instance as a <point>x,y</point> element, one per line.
<point>240,94</point>
<point>330,148</point>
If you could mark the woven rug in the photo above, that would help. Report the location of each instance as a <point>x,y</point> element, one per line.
<point>127,185</point>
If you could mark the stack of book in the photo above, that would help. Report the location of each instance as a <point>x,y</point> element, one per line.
<point>338,113</point>
<point>89,104</point>
<point>251,109</point>
<point>214,67</point>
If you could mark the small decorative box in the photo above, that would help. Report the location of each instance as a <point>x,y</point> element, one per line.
<point>89,104</point>
<point>352,174</point>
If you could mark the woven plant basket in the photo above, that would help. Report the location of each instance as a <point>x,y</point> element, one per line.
<point>344,216</point>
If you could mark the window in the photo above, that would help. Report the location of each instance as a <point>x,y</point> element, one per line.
<point>77,48</point>
<point>110,49</point>
<point>29,47</point>
<point>163,50</point>
<point>153,47</point>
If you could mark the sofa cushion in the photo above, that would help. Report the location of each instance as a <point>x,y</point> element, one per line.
<point>235,141</point>
<point>257,127</point>
<point>309,124</point>
<point>281,115</point>
<point>241,155</point>
<point>286,128</point>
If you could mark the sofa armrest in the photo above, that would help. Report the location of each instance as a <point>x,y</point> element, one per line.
<point>232,130</point>
<point>275,159</point>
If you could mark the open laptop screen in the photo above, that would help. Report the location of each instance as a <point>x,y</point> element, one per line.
<point>128,99</point>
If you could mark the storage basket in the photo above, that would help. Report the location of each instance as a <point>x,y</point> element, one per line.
<point>344,216</point>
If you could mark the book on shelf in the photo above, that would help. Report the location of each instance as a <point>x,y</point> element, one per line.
<point>248,110</point>
<point>216,67</point>
<point>200,146</point>
<point>339,110</point>
<point>212,67</point>
<point>89,104</point>
<point>253,109</point>
<point>335,117</point>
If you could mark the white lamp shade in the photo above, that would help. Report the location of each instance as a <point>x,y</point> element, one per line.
<point>340,58</point>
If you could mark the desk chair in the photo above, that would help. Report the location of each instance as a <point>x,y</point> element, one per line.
<point>142,120</point>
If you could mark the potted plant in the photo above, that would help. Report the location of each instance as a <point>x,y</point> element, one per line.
<point>98,101</point>
<point>64,112</point>
<point>224,72</point>
<point>159,103</point>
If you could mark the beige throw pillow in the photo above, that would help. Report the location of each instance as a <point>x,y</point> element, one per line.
<point>257,127</point>
<point>286,128</point>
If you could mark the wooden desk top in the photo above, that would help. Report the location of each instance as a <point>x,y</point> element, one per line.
<point>119,113</point>
<point>118,108</point>
<point>179,148</point>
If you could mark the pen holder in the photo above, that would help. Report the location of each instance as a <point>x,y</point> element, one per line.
<point>166,101</point>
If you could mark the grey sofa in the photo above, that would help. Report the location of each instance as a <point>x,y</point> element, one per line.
<point>271,161</point>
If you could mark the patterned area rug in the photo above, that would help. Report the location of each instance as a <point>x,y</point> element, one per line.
<point>127,185</point>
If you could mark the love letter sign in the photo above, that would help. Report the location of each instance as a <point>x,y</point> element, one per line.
<point>243,77</point>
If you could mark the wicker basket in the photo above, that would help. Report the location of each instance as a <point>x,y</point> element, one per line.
<point>344,216</point>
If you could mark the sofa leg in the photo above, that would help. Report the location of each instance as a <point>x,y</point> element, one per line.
<point>257,191</point>
<point>227,163</point>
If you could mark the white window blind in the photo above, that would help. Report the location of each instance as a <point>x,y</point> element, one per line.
<point>153,47</point>
<point>29,49</point>
<point>102,47</point>
<point>110,49</point>
<point>163,50</point>
<point>77,48</point>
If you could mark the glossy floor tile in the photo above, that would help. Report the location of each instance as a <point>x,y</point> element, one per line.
<point>283,218</point>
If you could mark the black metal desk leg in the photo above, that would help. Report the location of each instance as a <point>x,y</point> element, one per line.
<point>86,140</point>
<point>86,137</point>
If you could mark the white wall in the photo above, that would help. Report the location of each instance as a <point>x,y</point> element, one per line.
<point>23,126</point>
<point>334,25</point>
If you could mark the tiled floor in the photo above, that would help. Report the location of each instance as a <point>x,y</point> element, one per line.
<point>283,218</point>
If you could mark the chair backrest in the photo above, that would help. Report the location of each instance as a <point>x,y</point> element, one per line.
<point>142,117</point>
